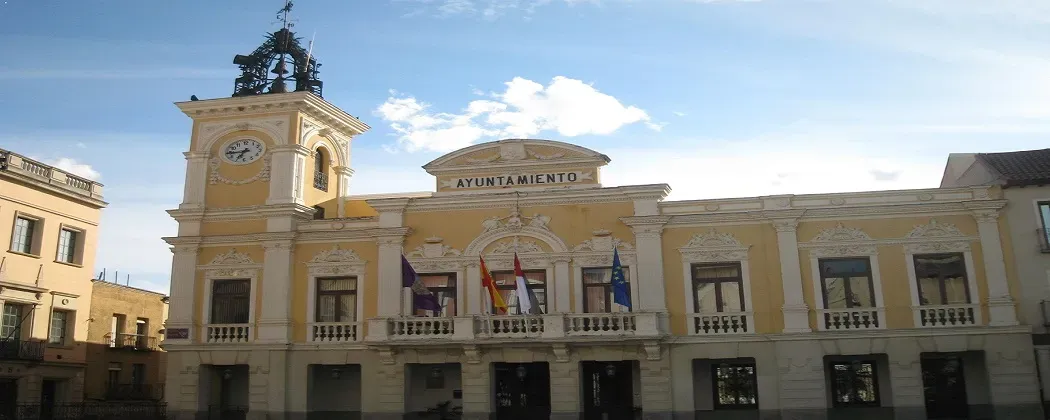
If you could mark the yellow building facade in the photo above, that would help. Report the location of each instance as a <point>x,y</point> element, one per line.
<point>287,294</point>
<point>49,219</point>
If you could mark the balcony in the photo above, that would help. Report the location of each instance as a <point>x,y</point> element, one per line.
<point>495,328</point>
<point>13,349</point>
<point>721,323</point>
<point>333,332</point>
<point>941,316</point>
<point>321,181</point>
<point>132,342</point>
<point>154,392</point>
<point>30,170</point>
<point>849,319</point>
<point>228,333</point>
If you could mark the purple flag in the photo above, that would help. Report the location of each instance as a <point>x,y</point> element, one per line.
<point>421,296</point>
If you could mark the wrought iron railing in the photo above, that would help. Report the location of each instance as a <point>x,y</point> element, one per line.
<point>154,392</point>
<point>321,181</point>
<point>132,341</point>
<point>1044,239</point>
<point>14,349</point>
<point>85,411</point>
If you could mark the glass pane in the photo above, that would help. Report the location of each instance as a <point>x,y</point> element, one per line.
<point>844,267</point>
<point>705,298</point>
<point>437,280</point>
<point>955,291</point>
<point>716,271</point>
<point>930,291</point>
<point>22,239</point>
<point>597,275</point>
<point>861,295</point>
<point>594,299</point>
<point>338,284</point>
<point>11,320</point>
<point>731,297</point>
<point>835,291</point>
<point>940,266</point>
<point>58,328</point>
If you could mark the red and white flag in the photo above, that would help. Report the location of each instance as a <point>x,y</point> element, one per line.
<point>527,302</point>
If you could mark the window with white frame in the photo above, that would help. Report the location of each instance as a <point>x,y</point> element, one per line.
<point>598,294</point>
<point>23,235</point>
<point>59,329</point>
<point>67,245</point>
<point>507,286</point>
<point>847,283</point>
<point>231,301</point>
<point>717,287</point>
<point>337,299</point>
<point>1044,224</point>
<point>11,321</point>
<point>941,279</point>
<point>442,285</point>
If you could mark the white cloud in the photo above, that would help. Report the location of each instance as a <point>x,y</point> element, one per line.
<point>81,145</point>
<point>76,168</point>
<point>678,113</point>
<point>567,106</point>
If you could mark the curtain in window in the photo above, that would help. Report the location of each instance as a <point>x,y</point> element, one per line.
<point>230,301</point>
<point>337,300</point>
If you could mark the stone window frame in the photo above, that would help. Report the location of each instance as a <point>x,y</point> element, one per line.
<point>78,244</point>
<point>231,266</point>
<point>716,247</point>
<point>598,253</point>
<point>37,234</point>
<point>844,242</point>
<point>335,262</point>
<point>940,238</point>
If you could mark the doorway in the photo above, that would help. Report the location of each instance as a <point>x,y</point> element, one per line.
<point>944,386</point>
<point>522,391</point>
<point>608,390</point>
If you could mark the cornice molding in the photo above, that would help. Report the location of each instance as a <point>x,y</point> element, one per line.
<point>304,237</point>
<point>305,102</point>
<point>231,214</point>
<point>492,200</point>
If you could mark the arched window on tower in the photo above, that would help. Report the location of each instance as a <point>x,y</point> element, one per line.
<point>320,173</point>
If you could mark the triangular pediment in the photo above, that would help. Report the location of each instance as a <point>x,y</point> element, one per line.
<point>517,164</point>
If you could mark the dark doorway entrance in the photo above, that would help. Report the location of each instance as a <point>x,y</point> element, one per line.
<point>944,387</point>
<point>48,390</point>
<point>8,397</point>
<point>522,390</point>
<point>608,390</point>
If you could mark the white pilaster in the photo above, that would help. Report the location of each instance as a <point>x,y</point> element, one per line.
<point>390,275</point>
<point>196,180</point>
<point>474,289</point>
<point>796,312</point>
<point>274,324</point>
<point>562,285</point>
<point>183,278</point>
<point>286,174</point>
<point>1000,305</point>
<point>647,238</point>
<point>343,175</point>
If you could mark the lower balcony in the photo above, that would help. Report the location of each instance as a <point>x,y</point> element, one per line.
<point>511,327</point>
<point>851,319</point>
<point>132,342</point>
<point>15,349</point>
<point>333,332</point>
<point>942,316</point>
<point>132,392</point>
<point>228,333</point>
<point>721,323</point>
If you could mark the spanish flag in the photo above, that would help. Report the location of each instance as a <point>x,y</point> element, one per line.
<point>490,285</point>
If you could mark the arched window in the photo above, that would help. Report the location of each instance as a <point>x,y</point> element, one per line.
<point>320,174</point>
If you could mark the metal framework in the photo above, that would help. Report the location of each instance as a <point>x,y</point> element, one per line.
<point>273,57</point>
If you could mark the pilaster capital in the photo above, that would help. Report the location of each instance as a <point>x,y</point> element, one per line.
<point>986,215</point>
<point>291,148</point>
<point>561,259</point>
<point>639,221</point>
<point>390,241</point>
<point>277,245</point>
<point>193,249</point>
<point>648,231</point>
<point>785,225</point>
<point>197,156</point>
<point>343,170</point>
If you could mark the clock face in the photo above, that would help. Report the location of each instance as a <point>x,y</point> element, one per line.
<point>244,151</point>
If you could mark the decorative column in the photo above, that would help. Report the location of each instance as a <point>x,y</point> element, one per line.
<point>343,175</point>
<point>562,285</point>
<point>275,321</point>
<point>474,290</point>
<point>287,164</point>
<point>648,232</point>
<point>196,180</point>
<point>796,312</point>
<point>1001,310</point>
<point>389,304</point>
<point>180,307</point>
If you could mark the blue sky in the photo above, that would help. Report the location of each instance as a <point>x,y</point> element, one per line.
<point>719,98</point>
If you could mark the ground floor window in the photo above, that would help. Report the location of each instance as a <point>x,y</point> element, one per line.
<point>854,383</point>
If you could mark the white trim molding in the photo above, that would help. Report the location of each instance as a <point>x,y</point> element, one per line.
<point>597,252</point>
<point>937,238</point>
<point>335,262</point>
<point>845,242</point>
<point>436,257</point>
<point>211,132</point>
<point>231,265</point>
<point>713,246</point>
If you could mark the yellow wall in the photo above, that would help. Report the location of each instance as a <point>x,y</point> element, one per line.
<point>240,227</point>
<point>368,251</point>
<point>223,195</point>
<point>313,196</point>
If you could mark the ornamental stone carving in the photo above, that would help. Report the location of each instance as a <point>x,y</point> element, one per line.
<point>433,248</point>
<point>517,246</point>
<point>603,241</point>
<point>986,216</point>
<point>337,255</point>
<point>712,239</point>
<point>841,241</point>
<point>516,225</point>
<point>936,237</point>
<point>213,131</point>
<point>841,233</point>
<point>935,229</point>
<point>336,262</point>
<point>713,246</point>
<point>232,257</point>
<point>215,177</point>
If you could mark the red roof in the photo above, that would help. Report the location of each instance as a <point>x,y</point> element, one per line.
<point>1018,169</point>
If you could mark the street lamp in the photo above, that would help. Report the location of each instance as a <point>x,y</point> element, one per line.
<point>610,370</point>
<point>336,372</point>
<point>227,374</point>
<point>521,372</point>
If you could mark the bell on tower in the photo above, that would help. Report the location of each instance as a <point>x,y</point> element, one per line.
<point>271,59</point>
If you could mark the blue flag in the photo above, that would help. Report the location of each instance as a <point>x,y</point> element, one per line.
<point>621,291</point>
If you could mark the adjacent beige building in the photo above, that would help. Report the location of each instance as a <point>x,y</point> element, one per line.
<point>124,358</point>
<point>49,221</point>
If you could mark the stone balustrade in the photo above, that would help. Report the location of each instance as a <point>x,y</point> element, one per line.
<point>508,327</point>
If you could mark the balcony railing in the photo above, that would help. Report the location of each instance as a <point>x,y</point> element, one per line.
<point>720,323</point>
<point>848,319</point>
<point>13,349</point>
<point>1044,239</point>
<point>935,316</point>
<point>227,333</point>
<point>526,327</point>
<point>333,332</point>
<point>321,181</point>
<point>154,392</point>
<point>132,342</point>
<point>17,164</point>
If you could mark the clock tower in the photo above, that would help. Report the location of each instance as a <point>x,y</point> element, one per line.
<point>272,155</point>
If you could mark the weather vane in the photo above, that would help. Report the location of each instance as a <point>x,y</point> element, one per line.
<point>266,70</point>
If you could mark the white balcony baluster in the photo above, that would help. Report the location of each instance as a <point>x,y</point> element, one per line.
<point>721,323</point>
<point>509,326</point>
<point>847,319</point>
<point>333,332</point>
<point>227,333</point>
<point>409,328</point>
<point>935,316</point>
<point>600,324</point>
